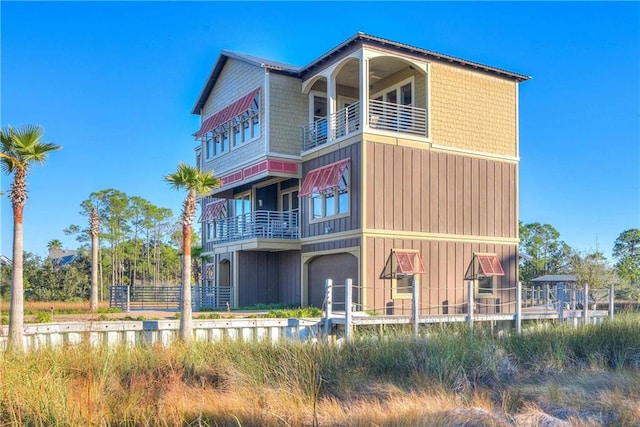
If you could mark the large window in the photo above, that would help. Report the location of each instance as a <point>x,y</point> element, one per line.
<point>332,201</point>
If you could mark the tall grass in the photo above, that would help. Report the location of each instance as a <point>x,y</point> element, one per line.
<point>450,377</point>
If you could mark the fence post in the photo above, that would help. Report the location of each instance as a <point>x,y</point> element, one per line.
<point>415,306</point>
<point>561,302</point>
<point>611,301</point>
<point>128,299</point>
<point>471,303</point>
<point>586,303</point>
<point>347,309</point>
<point>328,294</point>
<point>518,307</point>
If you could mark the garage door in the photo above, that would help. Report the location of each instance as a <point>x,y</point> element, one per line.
<point>337,267</point>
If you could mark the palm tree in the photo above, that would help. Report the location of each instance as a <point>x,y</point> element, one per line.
<point>196,182</point>
<point>19,149</point>
<point>54,246</point>
<point>94,230</point>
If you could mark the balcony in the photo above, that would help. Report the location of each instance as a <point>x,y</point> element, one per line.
<point>384,116</point>
<point>257,225</point>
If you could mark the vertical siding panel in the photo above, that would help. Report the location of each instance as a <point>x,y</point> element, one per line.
<point>459,194</point>
<point>388,187</point>
<point>416,193</point>
<point>498,200</point>
<point>434,284</point>
<point>482,195</point>
<point>491,207</point>
<point>512,202</point>
<point>433,193</point>
<point>443,287</point>
<point>442,193</point>
<point>466,196</point>
<point>377,193</point>
<point>408,180</point>
<point>398,189</point>
<point>425,226</point>
<point>460,270</point>
<point>451,194</point>
<point>506,209</point>
<point>475,180</point>
<point>451,270</point>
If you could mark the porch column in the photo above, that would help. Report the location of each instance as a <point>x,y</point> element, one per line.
<point>332,102</point>
<point>364,91</point>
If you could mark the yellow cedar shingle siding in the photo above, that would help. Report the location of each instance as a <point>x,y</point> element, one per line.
<point>289,113</point>
<point>473,110</point>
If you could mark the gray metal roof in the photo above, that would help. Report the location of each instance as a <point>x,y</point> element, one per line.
<point>556,278</point>
<point>358,38</point>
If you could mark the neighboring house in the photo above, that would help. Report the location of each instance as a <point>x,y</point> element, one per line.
<point>376,150</point>
<point>6,262</point>
<point>62,257</point>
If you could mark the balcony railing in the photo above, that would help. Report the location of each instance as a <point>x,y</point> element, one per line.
<point>397,118</point>
<point>258,225</point>
<point>382,115</point>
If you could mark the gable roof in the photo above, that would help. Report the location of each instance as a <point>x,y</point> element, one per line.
<point>361,38</point>
<point>249,59</point>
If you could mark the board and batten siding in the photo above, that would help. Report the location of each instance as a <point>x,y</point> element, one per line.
<point>344,223</point>
<point>268,277</point>
<point>427,191</point>
<point>443,282</point>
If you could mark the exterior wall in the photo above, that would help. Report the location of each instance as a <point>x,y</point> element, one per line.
<point>288,108</point>
<point>426,191</point>
<point>443,283</point>
<point>341,224</point>
<point>236,79</point>
<point>473,110</point>
<point>268,277</point>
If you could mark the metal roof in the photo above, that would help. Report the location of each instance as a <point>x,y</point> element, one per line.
<point>556,278</point>
<point>358,38</point>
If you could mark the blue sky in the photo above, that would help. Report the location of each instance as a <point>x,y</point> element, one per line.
<point>114,84</point>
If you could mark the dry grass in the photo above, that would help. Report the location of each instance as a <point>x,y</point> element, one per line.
<point>60,306</point>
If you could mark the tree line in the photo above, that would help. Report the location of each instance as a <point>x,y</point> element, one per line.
<point>543,252</point>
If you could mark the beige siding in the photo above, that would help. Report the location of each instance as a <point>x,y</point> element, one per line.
<point>236,79</point>
<point>289,113</point>
<point>414,190</point>
<point>473,111</point>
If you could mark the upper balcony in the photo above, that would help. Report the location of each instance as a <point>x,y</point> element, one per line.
<point>367,92</point>
<point>384,116</point>
<point>261,230</point>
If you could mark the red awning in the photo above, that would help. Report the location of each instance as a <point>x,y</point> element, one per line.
<point>227,113</point>
<point>484,264</point>
<point>212,210</point>
<point>323,178</point>
<point>402,262</point>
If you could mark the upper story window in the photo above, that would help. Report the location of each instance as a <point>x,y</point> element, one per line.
<point>401,93</point>
<point>328,190</point>
<point>236,123</point>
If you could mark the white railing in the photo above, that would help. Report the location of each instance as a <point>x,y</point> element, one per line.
<point>397,118</point>
<point>258,225</point>
<point>382,115</point>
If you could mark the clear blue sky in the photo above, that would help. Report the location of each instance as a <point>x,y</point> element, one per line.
<point>114,84</point>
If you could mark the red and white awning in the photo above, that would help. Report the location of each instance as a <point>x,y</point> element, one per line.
<point>402,262</point>
<point>227,113</point>
<point>484,264</point>
<point>323,178</point>
<point>212,210</point>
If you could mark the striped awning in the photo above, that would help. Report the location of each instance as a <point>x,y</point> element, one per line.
<point>227,113</point>
<point>323,178</point>
<point>212,210</point>
<point>484,264</point>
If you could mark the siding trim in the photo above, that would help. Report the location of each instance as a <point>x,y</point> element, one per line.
<point>440,237</point>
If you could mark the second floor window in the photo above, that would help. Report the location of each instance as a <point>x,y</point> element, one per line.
<point>328,189</point>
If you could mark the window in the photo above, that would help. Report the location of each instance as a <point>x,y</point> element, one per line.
<point>401,267</point>
<point>484,270</point>
<point>402,91</point>
<point>236,123</point>
<point>328,188</point>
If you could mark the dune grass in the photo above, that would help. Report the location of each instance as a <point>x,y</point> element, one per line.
<point>586,376</point>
